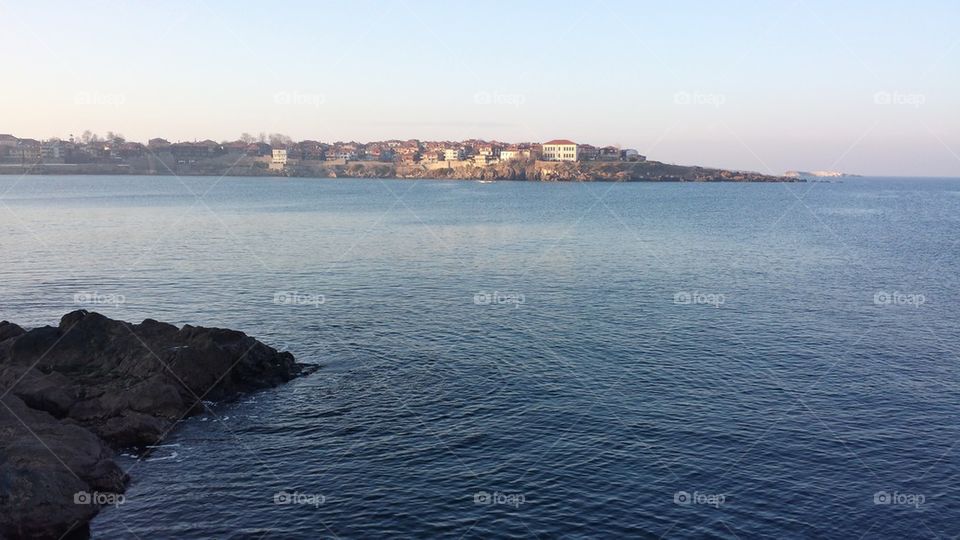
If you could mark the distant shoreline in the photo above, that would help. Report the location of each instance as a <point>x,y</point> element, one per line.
<point>520,170</point>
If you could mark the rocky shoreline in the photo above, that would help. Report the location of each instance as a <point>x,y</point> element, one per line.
<point>518,170</point>
<point>72,395</point>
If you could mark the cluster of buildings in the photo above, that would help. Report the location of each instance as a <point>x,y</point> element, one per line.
<point>280,151</point>
<point>476,151</point>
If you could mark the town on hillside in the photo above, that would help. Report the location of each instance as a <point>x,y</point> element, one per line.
<point>278,152</point>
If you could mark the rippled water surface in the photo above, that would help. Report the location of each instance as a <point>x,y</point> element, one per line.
<point>520,360</point>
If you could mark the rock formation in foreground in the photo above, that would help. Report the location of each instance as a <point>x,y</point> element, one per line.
<point>74,394</point>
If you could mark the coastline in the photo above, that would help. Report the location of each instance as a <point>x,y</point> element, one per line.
<point>519,170</point>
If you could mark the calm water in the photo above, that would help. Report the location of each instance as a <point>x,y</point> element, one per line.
<point>680,361</point>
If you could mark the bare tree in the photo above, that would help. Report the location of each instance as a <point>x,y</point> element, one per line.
<point>279,139</point>
<point>247,138</point>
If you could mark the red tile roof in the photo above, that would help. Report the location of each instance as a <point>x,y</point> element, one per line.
<point>560,141</point>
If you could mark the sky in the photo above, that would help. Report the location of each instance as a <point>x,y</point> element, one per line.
<point>866,87</point>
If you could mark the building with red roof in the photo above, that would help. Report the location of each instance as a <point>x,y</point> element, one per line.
<point>560,150</point>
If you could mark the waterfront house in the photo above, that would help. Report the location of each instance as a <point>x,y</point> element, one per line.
<point>587,152</point>
<point>608,153</point>
<point>452,154</point>
<point>279,159</point>
<point>7,144</point>
<point>158,144</point>
<point>54,151</point>
<point>202,149</point>
<point>560,150</point>
<point>28,150</point>
<point>259,149</point>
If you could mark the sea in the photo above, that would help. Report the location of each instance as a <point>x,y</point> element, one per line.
<point>529,360</point>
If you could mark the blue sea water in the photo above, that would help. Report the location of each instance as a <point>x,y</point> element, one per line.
<point>527,360</point>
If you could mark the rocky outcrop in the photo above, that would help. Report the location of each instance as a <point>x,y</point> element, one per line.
<point>75,393</point>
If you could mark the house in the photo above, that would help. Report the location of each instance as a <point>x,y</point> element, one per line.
<point>158,144</point>
<point>235,147</point>
<point>378,152</point>
<point>452,154</point>
<point>631,155</point>
<point>431,156</point>
<point>488,150</point>
<point>407,154</point>
<point>258,149</point>
<point>53,151</point>
<point>200,149</point>
<point>483,159</point>
<point>587,152</point>
<point>509,153</point>
<point>311,150</point>
<point>130,149</point>
<point>608,153</point>
<point>28,150</point>
<point>342,151</point>
<point>560,150</point>
<point>279,159</point>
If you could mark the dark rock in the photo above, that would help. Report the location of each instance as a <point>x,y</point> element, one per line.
<point>9,330</point>
<point>74,393</point>
<point>44,465</point>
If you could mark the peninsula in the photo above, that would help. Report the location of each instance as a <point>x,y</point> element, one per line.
<point>279,155</point>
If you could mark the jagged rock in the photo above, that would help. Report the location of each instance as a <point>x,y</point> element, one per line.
<point>9,330</point>
<point>74,393</point>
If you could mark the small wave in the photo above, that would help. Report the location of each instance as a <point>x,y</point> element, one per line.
<point>851,212</point>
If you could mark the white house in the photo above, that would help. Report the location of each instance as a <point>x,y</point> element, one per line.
<point>279,160</point>
<point>506,154</point>
<point>560,150</point>
<point>453,154</point>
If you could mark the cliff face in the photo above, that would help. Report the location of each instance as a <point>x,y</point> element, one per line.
<point>591,171</point>
<point>542,171</point>
<point>72,394</point>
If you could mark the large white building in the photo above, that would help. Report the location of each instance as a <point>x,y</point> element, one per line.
<point>279,159</point>
<point>560,150</point>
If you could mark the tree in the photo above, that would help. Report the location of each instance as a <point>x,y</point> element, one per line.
<point>247,138</point>
<point>279,139</point>
<point>87,137</point>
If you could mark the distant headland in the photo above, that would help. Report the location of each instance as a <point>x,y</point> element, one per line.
<point>279,155</point>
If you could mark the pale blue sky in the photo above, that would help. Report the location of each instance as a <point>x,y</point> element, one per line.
<point>861,86</point>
